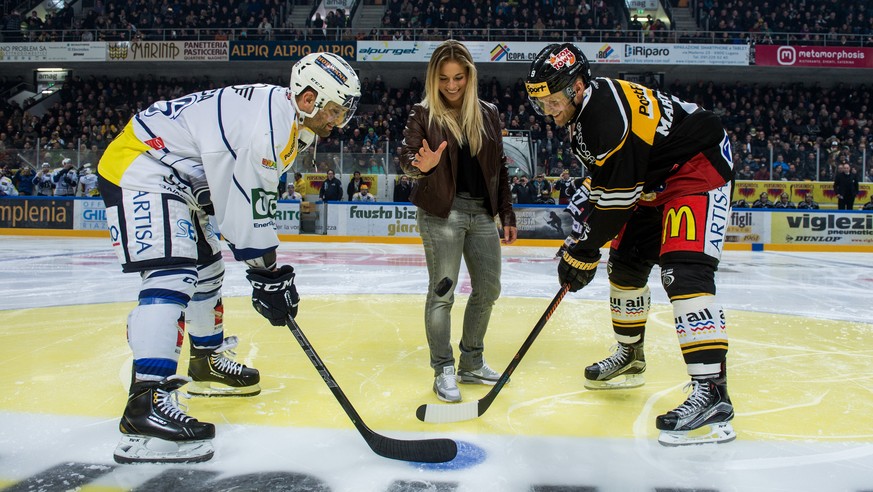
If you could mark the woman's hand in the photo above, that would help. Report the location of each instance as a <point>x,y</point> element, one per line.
<point>510,234</point>
<point>427,159</point>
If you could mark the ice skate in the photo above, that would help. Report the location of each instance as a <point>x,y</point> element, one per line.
<point>483,375</point>
<point>446,386</point>
<point>215,374</point>
<point>156,429</point>
<point>627,361</point>
<point>704,417</point>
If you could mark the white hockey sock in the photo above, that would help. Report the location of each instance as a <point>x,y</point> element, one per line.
<point>155,333</point>
<point>630,310</point>
<point>700,326</point>
<point>205,321</point>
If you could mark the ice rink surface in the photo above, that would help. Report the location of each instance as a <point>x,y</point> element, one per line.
<point>799,373</point>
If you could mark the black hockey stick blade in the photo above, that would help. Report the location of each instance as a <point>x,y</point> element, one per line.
<point>424,450</point>
<point>457,412</point>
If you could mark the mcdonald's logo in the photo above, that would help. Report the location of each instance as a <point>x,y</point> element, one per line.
<point>673,224</point>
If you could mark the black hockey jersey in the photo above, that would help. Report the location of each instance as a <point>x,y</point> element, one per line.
<point>643,147</point>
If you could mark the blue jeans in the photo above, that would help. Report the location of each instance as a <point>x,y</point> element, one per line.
<point>469,231</point>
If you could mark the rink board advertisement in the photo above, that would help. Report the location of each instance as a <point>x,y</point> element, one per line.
<point>815,227</point>
<point>288,50</point>
<point>89,214</point>
<point>53,52</point>
<point>371,219</point>
<point>36,213</point>
<point>542,222</point>
<point>748,227</point>
<point>524,52</point>
<point>167,51</point>
<point>287,217</point>
<point>814,56</point>
<point>822,191</point>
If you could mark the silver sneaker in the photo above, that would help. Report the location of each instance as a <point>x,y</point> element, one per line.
<point>446,386</point>
<point>483,375</point>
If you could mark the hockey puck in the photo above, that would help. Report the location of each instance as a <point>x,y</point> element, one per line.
<point>443,287</point>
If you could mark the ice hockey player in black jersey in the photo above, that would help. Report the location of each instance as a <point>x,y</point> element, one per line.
<point>660,192</point>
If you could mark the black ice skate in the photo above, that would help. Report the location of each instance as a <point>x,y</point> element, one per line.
<point>215,374</point>
<point>156,430</point>
<point>704,417</point>
<point>627,360</point>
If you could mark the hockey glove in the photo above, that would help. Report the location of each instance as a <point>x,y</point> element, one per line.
<point>274,294</point>
<point>577,268</point>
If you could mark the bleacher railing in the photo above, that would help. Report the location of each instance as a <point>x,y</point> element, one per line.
<point>438,34</point>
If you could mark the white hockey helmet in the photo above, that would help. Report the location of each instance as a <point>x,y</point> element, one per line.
<point>332,78</point>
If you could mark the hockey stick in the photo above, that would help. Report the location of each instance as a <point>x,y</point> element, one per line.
<point>424,450</point>
<point>457,412</point>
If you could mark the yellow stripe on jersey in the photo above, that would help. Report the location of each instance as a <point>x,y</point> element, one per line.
<point>289,153</point>
<point>645,111</point>
<point>120,154</point>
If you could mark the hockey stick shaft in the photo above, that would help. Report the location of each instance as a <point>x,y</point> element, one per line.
<point>437,413</point>
<point>425,450</point>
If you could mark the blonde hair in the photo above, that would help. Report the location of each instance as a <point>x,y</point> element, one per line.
<point>466,125</point>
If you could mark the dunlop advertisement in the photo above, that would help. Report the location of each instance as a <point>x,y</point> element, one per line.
<point>813,227</point>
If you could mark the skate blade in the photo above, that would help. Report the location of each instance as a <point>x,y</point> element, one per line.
<point>714,433</point>
<point>144,449</point>
<point>213,389</point>
<point>629,381</point>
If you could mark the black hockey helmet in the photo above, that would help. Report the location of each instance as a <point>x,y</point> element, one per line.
<point>554,69</point>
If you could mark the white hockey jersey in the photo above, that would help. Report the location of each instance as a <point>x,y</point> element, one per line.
<point>236,141</point>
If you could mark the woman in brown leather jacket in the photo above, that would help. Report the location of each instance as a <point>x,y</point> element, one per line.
<point>453,148</point>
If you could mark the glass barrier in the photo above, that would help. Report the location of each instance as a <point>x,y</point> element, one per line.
<point>765,160</point>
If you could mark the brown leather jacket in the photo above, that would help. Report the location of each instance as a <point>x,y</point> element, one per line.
<point>434,191</point>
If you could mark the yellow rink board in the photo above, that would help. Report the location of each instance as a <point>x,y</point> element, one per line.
<point>790,378</point>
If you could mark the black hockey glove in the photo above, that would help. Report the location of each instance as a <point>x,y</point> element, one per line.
<point>274,294</point>
<point>577,268</point>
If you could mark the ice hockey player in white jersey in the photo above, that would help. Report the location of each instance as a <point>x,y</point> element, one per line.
<point>217,152</point>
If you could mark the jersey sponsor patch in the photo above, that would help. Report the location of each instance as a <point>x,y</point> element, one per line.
<point>334,72</point>
<point>156,143</point>
<point>563,58</point>
<point>263,204</point>
<point>268,164</point>
<point>696,222</point>
<point>289,153</point>
<point>644,112</point>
